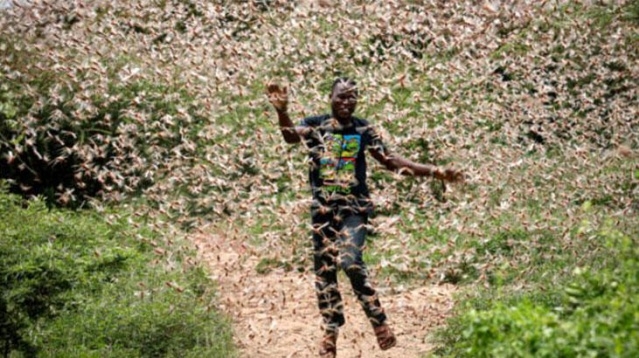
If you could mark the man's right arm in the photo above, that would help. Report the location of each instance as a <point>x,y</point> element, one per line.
<point>290,132</point>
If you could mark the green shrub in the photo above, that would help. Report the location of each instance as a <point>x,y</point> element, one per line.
<point>75,285</point>
<point>54,150</point>
<point>595,317</point>
<point>73,127</point>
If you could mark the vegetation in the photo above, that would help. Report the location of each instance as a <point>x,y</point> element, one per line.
<point>590,312</point>
<point>159,107</point>
<point>75,284</point>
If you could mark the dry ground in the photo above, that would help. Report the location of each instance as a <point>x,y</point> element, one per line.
<point>275,314</point>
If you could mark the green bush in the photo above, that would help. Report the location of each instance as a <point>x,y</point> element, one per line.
<point>67,157</point>
<point>597,316</point>
<point>73,127</point>
<point>76,285</point>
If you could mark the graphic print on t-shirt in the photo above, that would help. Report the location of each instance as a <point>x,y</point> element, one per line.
<point>337,164</point>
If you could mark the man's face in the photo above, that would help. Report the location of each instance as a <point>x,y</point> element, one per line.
<point>344,100</point>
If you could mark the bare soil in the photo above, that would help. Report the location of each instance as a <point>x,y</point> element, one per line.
<point>275,314</point>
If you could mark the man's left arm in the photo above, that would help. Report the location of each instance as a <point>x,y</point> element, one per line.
<point>404,166</point>
<point>399,164</point>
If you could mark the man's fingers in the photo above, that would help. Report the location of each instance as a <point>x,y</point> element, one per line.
<point>274,91</point>
<point>277,95</point>
<point>272,87</point>
<point>453,175</point>
<point>458,176</point>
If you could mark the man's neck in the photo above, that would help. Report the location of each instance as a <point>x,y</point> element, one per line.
<point>344,122</point>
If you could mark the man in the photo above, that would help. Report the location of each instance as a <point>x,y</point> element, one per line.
<point>341,205</point>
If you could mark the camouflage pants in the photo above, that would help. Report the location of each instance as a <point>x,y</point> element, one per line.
<point>338,241</point>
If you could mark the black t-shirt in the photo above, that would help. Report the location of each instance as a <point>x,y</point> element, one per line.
<point>338,161</point>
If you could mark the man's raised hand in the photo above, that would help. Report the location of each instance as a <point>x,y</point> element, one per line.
<point>278,96</point>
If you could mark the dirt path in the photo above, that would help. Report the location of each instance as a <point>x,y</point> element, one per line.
<point>275,314</point>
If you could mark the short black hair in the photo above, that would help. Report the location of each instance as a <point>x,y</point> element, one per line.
<point>346,80</point>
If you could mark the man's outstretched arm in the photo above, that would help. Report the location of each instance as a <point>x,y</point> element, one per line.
<point>278,96</point>
<point>407,167</point>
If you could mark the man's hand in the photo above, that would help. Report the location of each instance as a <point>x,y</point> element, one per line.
<point>278,96</point>
<point>450,175</point>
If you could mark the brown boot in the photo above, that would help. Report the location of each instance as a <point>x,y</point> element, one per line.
<point>328,346</point>
<point>385,337</point>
